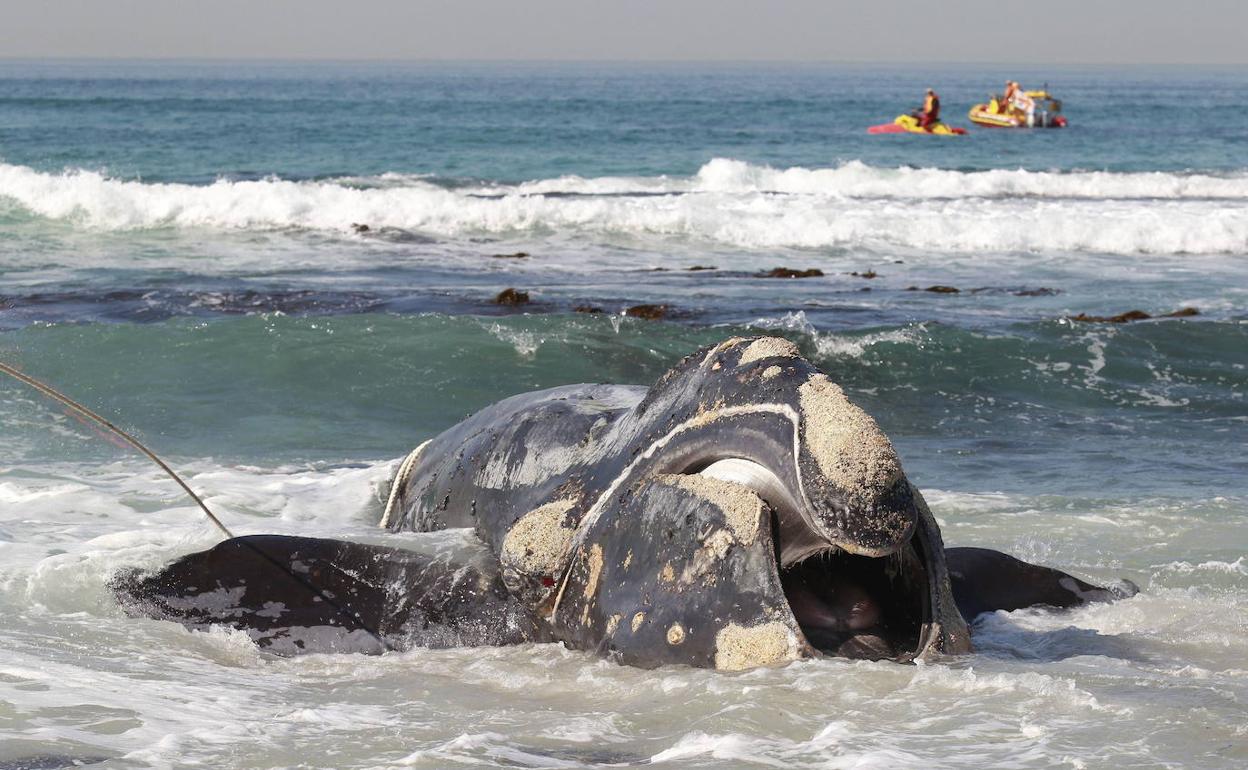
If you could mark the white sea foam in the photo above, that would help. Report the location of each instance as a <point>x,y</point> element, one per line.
<point>78,675</point>
<point>1237,567</point>
<point>856,179</point>
<point>832,345</point>
<point>526,343</point>
<point>727,203</point>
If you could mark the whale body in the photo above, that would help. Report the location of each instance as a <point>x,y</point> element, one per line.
<point>740,512</point>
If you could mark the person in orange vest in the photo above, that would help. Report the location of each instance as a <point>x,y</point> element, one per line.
<point>931,110</point>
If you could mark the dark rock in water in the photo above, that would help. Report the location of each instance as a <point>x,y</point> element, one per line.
<point>648,312</point>
<point>943,289</point>
<point>788,272</point>
<point>702,267</point>
<point>658,270</point>
<point>511,296</point>
<point>515,255</point>
<point>1133,315</point>
<point>587,309</point>
<point>868,274</point>
<point>359,228</point>
<point>1040,292</point>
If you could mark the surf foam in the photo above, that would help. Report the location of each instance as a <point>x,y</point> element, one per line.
<point>727,203</point>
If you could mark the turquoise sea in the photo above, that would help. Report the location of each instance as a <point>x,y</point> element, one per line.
<point>180,249</point>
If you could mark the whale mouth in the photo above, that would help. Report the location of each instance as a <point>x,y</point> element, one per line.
<point>846,605</point>
<point>863,607</point>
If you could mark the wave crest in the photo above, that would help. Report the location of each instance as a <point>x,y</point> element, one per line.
<point>727,203</point>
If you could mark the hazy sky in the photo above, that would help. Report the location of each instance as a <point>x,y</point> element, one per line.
<point>1036,31</point>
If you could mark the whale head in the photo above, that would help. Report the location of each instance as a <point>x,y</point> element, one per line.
<point>851,561</point>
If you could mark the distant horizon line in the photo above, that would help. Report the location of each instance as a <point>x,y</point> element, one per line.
<point>415,60</point>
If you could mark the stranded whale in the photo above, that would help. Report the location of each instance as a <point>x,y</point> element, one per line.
<point>739,512</point>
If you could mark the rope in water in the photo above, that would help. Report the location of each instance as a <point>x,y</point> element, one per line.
<point>396,488</point>
<point>56,395</point>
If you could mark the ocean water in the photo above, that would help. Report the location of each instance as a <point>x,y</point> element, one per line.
<point>178,251</point>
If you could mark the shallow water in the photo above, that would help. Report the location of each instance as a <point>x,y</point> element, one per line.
<point>176,251</point>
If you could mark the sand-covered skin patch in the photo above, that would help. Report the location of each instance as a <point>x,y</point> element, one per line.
<point>740,647</point>
<point>536,543</point>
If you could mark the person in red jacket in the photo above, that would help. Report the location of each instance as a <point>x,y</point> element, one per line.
<point>931,110</point>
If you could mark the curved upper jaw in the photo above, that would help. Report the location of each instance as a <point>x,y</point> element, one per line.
<point>880,530</point>
<point>853,592</point>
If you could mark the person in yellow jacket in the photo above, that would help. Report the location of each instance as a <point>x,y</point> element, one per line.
<point>930,114</point>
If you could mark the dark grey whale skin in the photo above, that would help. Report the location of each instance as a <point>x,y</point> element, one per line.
<point>589,476</point>
<point>597,532</point>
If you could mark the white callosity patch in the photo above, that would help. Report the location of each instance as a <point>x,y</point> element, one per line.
<point>768,347</point>
<point>675,634</point>
<point>847,445</point>
<point>741,507</point>
<point>536,544</point>
<point>741,647</point>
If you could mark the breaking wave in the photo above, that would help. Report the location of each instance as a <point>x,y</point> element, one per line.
<point>856,179</point>
<point>727,203</point>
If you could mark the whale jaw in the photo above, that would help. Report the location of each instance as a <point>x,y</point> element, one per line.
<point>874,605</point>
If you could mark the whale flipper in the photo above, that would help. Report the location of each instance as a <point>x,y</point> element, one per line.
<point>296,595</point>
<point>984,580</point>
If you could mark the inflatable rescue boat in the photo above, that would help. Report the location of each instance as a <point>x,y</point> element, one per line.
<point>1046,112</point>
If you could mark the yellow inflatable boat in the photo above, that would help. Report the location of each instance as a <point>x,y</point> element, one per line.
<point>1046,112</point>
